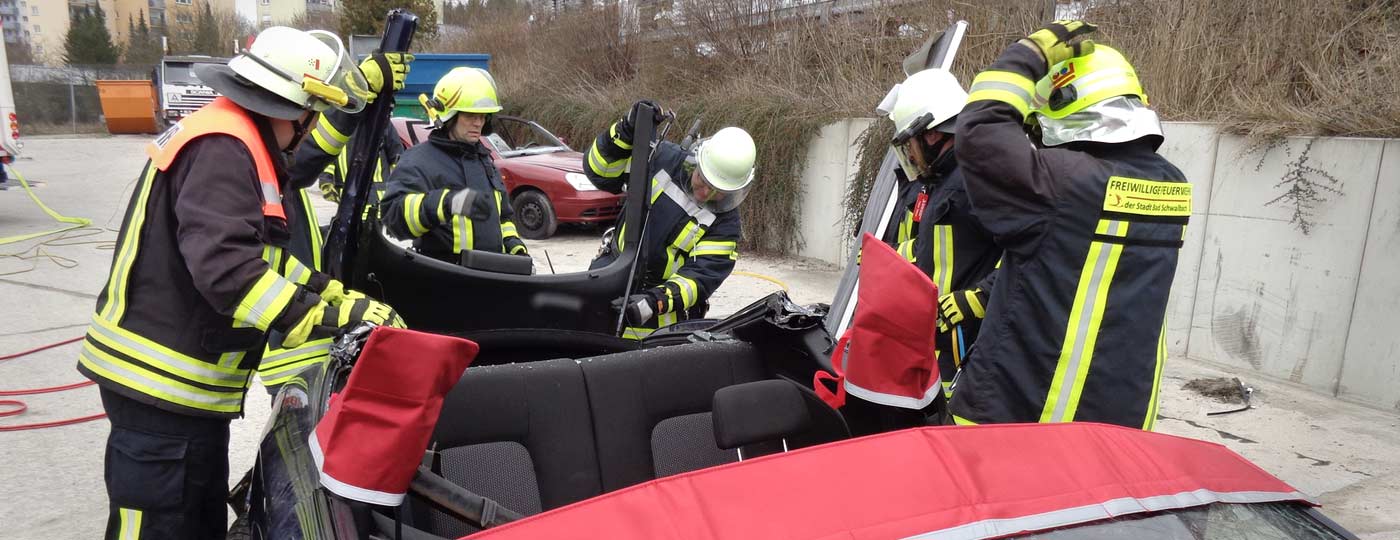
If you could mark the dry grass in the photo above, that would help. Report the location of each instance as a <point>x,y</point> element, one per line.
<point>1264,67</point>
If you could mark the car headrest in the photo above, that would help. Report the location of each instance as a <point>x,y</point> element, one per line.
<point>759,411</point>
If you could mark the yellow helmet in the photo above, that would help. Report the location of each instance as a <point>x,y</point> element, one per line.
<point>464,89</point>
<point>1080,82</point>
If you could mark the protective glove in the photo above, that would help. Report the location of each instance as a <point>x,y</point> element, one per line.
<point>329,190</point>
<point>335,293</point>
<point>955,307</point>
<point>638,308</point>
<point>325,319</point>
<point>398,67</point>
<point>626,125</point>
<point>470,203</point>
<point>1056,42</point>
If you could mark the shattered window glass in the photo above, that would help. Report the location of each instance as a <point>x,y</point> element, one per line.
<point>1271,521</point>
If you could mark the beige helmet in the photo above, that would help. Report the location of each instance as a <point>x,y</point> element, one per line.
<point>725,161</point>
<point>929,99</point>
<point>286,72</point>
<point>464,89</point>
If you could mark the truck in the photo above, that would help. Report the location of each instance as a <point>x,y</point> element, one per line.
<point>9,132</point>
<point>179,91</point>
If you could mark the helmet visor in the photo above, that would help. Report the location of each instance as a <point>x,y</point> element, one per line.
<point>344,88</point>
<point>713,198</point>
<point>901,151</point>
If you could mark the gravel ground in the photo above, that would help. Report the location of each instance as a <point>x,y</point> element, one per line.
<point>51,480</point>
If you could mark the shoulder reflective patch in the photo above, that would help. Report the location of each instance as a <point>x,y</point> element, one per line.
<point>1147,197</point>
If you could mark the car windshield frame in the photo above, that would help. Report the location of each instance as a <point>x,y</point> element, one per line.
<point>555,145</point>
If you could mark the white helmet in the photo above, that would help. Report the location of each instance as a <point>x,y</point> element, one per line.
<point>725,161</point>
<point>929,99</point>
<point>287,72</point>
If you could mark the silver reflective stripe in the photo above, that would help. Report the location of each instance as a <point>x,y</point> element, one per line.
<point>335,143</point>
<point>144,379</point>
<point>692,237</point>
<point>259,310</point>
<point>1086,319</point>
<point>1110,509</point>
<point>662,181</point>
<point>311,349</point>
<point>130,524</point>
<point>270,193</point>
<point>231,359</point>
<point>166,361</point>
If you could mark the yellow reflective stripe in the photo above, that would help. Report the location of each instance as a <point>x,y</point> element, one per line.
<point>133,345</point>
<point>518,249</point>
<point>962,421</point>
<point>130,524</point>
<point>280,365</point>
<point>267,298</point>
<point>657,188</point>
<point>620,237</point>
<point>1150,420</point>
<point>689,237</point>
<point>604,168</point>
<point>442,207</point>
<point>1004,86</point>
<point>906,250</point>
<point>313,228</point>
<point>139,379</point>
<point>906,228</point>
<point>636,333</point>
<point>508,229</point>
<point>943,257</point>
<point>330,139</point>
<point>1081,334</point>
<point>297,271</point>
<point>412,214</point>
<point>462,239</point>
<point>722,248</point>
<point>127,246</point>
<point>666,319</point>
<point>690,291</point>
<point>612,132</point>
<point>977,309</point>
<point>232,359</point>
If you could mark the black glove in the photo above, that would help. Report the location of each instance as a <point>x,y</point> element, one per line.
<point>958,307</point>
<point>470,203</point>
<point>628,123</point>
<point>638,308</point>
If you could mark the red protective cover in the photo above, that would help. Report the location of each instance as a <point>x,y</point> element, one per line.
<point>892,357</point>
<point>944,482</point>
<point>372,439</point>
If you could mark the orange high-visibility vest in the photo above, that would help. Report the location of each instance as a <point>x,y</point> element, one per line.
<point>222,116</point>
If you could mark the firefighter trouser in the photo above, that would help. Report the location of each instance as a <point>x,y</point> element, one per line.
<point>166,473</point>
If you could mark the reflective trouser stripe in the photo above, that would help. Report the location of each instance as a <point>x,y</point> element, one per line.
<point>906,250</point>
<point>1081,334</point>
<point>962,421</point>
<point>1010,88</point>
<point>163,358</point>
<point>1150,421</point>
<point>280,365</point>
<point>130,524</point>
<point>462,235</point>
<point>268,297</point>
<point>604,168</point>
<point>126,248</point>
<point>906,228</point>
<point>152,384</point>
<point>943,257</point>
<point>412,214</point>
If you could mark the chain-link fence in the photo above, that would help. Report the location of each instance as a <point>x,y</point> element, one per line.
<point>55,100</point>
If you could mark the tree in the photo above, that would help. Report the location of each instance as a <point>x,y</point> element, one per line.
<point>212,32</point>
<point>367,16</point>
<point>207,38</point>
<point>88,41</point>
<point>142,45</point>
<point>19,52</point>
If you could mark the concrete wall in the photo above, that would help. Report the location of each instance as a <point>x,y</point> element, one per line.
<point>1253,292</point>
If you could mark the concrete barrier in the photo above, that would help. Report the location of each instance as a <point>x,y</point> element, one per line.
<point>1254,291</point>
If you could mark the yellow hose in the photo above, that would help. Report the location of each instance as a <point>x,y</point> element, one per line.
<point>75,223</point>
<point>764,278</point>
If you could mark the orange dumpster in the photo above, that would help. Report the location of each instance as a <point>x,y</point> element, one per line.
<point>129,106</point>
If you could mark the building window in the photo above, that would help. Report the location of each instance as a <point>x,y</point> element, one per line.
<point>34,10</point>
<point>36,29</point>
<point>183,18</point>
<point>185,2</point>
<point>266,2</point>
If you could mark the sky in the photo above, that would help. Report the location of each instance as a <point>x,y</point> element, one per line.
<point>247,9</point>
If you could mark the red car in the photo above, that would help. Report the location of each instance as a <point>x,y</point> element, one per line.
<point>543,175</point>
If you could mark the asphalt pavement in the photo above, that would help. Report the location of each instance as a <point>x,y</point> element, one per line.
<point>51,482</point>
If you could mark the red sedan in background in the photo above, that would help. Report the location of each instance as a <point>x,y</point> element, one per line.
<point>543,175</point>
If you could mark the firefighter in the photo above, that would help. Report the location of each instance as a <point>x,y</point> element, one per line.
<point>331,180</point>
<point>691,239</point>
<point>939,233</point>
<point>185,313</point>
<point>326,144</point>
<point>447,195</point>
<point>1091,221</point>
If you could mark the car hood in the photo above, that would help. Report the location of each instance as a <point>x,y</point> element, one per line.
<point>565,161</point>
